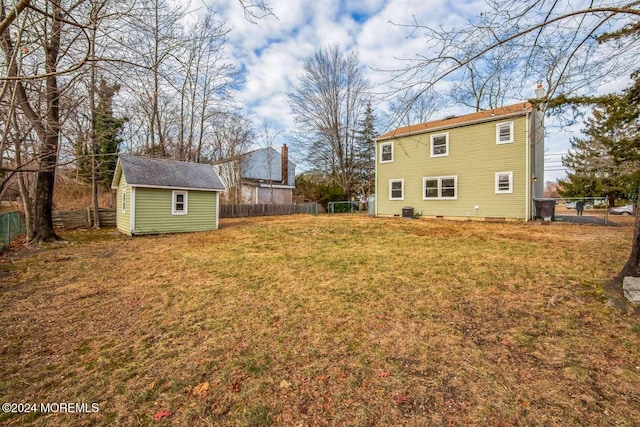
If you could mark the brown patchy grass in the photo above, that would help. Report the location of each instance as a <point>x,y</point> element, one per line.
<point>337,320</point>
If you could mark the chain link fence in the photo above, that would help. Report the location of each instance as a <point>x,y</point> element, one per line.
<point>11,225</point>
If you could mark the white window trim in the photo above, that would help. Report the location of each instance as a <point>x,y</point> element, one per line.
<point>446,135</point>
<point>382,145</point>
<point>439,179</point>
<point>391,181</point>
<point>174,195</point>
<point>510,175</point>
<point>123,206</point>
<point>498,126</point>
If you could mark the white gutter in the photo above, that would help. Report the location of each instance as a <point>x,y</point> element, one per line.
<point>163,187</point>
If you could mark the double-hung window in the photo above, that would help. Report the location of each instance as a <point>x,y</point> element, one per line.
<point>386,152</point>
<point>440,145</point>
<point>504,182</point>
<point>396,189</point>
<point>440,188</point>
<point>504,133</point>
<point>180,201</point>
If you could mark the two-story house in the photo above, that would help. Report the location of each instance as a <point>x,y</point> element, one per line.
<point>488,164</point>
<point>262,176</point>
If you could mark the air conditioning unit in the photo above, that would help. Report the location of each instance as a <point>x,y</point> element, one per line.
<point>407,213</point>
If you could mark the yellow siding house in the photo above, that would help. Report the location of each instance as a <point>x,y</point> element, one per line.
<point>485,165</point>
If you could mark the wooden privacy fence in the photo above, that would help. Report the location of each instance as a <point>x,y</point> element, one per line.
<point>235,211</point>
<point>83,218</point>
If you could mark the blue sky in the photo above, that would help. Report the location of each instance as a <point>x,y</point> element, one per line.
<point>272,50</point>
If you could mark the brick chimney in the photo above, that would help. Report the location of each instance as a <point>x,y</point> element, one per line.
<point>285,164</point>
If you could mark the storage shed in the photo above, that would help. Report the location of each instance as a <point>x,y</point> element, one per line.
<point>157,196</point>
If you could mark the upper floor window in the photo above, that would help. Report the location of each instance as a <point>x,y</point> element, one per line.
<point>504,133</point>
<point>179,206</point>
<point>440,145</point>
<point>386,152</point>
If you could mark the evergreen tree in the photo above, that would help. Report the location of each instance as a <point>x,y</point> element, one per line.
<point>365,153</point>
<point>607,159</point>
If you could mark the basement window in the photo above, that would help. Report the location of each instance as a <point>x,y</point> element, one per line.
<point>179,203</point>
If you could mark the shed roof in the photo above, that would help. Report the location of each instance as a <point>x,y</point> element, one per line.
<point>166,173</point>
<point>464,120</point>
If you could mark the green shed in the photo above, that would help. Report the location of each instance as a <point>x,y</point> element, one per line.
<point>157,196</point>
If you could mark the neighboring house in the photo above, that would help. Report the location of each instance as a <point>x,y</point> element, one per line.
<point>488,164</point>
<point>165,196</point>
<point>259,176</point>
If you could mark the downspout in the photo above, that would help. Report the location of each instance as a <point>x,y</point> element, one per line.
<point>132,213</point>
<point>527,200</point>
<point>217,209</point>
<point>375,174</point>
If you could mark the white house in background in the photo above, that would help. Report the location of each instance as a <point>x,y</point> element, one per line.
<point>263,176</point>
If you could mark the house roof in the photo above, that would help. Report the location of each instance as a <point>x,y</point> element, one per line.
<point>464,120</point>
<point>165,173</point>
<point>250,154</point>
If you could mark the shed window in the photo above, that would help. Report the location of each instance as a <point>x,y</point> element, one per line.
<point>440,145</point>
<point>179,203</point>
<point>124,201</point>
<point>504,133</point>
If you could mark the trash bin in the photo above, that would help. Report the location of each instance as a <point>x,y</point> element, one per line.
<point>546,209</point>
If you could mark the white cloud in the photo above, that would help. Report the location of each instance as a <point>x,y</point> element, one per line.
<point>272,51</point>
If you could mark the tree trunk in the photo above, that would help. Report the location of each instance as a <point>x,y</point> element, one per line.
<point>632,267</point>
<point>43,221</point>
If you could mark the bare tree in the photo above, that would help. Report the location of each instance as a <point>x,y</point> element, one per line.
<point>35,48</point>
<point>328,101</point>
<point>232,136</point>
<point>537,40</point>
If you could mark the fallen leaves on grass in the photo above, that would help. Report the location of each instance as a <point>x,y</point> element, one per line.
<point>160,415</point>
<point>201,391</point>
<point>402,398</point>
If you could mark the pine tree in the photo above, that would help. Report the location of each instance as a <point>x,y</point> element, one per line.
<point>607,159</point>
<point>365,153</point>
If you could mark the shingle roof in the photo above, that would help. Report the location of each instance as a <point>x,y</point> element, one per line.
<point>164,173</point>
<point>481,116</point>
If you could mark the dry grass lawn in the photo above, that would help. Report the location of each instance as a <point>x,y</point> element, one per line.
<point>327,320</point>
